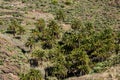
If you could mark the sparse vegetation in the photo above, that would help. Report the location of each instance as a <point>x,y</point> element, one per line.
<point>32,75</point>
<point>15,28</point>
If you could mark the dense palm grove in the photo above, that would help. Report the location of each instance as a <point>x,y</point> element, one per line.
<point>71,53</point>
<point>87,47</point>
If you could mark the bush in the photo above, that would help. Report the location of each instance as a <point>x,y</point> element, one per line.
<point>38,54</point>
<point>40,24</point>
<point>15,28</point>
<point>60,15</point>
<point>54,1</point>
<point>83,48</point>
<point>59,71</point>
<point>1,22</point>
<point>1,62</point>
<point>68,2</point>
<point>32,75</point>
<point>77,24</point>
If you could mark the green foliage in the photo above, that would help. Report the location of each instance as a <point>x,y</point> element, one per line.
<point>15,28</point>
<point>24,1</point>
<point>32,75</point>
<point>47,45</point>
<point>76,52</point>
<point>47,35</point>
<point>98,67</point>
<point>30,43</point>
<point>60,71</point>
<point>55,29</point>
<point>79,61</point>
<point>40,24</point>
<point>38,54</point>
<point>17,15</point>
<point>20,30</point>
<point>87,47</point>
<point>54,2</point>
<point>76,24</point>
<point>117,42</point>
<point>82,48</point>
<point>1,22</point>
<point>35,34</point>
<point>60,15</point>
<point>1,62</point>
<point>68,2</point>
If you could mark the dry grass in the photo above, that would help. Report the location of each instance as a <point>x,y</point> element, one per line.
<point>111,74</point>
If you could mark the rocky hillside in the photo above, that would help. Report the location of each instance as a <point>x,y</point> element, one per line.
<point>11,59</point>
<point>59,39</point>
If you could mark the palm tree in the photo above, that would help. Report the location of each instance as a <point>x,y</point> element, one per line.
<point>11,29</point>
<point>30,43</point>
<point>117,49</point>
<point>55,29</point>
<point>60,71</point>
<point>39,54</point>
<point>20,30</point>
<point>32,75</point>
<point>80,62</point>
<point>35,34</point>
<point>68,2</point>
<point>54,1</point>
<point>60,15</point>
<point>77,24</point>
<point>40,24</point>
<point>15,28</point>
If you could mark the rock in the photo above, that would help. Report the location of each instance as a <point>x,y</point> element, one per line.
<point>9,76</point>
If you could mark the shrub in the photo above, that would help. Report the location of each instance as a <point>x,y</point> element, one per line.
<point>1,22</point>
<point>60,15</point>
<point>59,71</point>
<point>40,24</point>
<point>1,62</point>
<point>15,28</point>
<point>68,2</point>
<point>54,1</point>
<point>38,54</point>
<point>30,43</point>
<point>32,75</point>
<point>76,24</point>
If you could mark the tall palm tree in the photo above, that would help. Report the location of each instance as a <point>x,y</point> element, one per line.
<point>40,24</point>
<point>39,54</point>
<point>80,62</point>
<point>54,28</point>
<point>32,75</point>
<point>15,28</point>
<point>60,15</point>
<point>35,34</point>
<point>77,24</point>
<point>20,30</point>
<point>30,43</point>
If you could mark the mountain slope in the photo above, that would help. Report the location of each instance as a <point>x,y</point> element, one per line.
<point>112,73</point>
<point>11,59</point>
